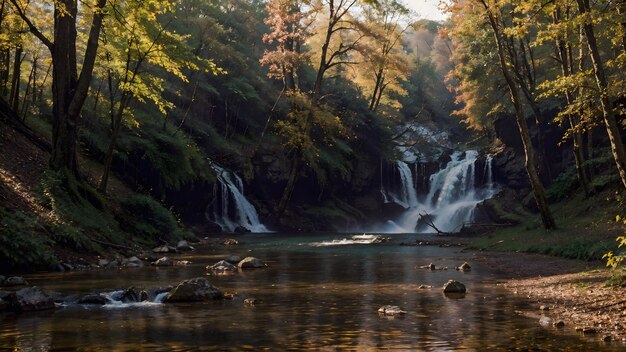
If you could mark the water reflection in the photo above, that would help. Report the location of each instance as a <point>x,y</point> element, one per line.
<point>313,298</point>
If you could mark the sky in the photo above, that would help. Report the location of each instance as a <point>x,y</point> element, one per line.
<point>426,9</point>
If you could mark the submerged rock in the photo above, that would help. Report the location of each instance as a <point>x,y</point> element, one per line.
<point>453,286</point>
<point>464,267</point>
<point>222,267</point>
<point>14,281</point>
<point>194,290</point>
<point>545,321</point>
<point>31,299</point>
<point>390,311</point>
<point>251,301</point>
<point>558,324</point>
<point>251,263</point>
<point>165,261</point>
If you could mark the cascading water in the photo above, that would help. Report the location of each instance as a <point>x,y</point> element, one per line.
<point>407,196</point>
<point>451,199</point>
<point>231,209</point>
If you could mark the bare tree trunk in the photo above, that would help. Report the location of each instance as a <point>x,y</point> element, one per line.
<point>617,146</point>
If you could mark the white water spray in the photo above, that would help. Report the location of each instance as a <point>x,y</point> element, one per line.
<point>230,208</point>
<point>451,199</point>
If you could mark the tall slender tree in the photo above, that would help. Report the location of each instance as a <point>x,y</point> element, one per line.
<point>69,88</point>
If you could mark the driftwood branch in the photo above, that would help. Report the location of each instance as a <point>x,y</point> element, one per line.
<point>428,220</point>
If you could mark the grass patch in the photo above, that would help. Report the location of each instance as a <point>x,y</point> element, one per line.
<point>586,230</point>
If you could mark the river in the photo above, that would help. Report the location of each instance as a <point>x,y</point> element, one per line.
<point>320,292</point>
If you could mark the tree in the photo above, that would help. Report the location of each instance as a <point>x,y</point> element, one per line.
<point>69,88</point>
<point>338,35</point>
<point>492,12</point>
<point>608,112</point>
<point>287,33</point>
<point>136,44</point>
<point>383,62</point>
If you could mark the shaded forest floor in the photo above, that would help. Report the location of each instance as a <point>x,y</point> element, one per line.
<point>47,218</point>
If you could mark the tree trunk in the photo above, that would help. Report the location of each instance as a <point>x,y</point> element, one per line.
<point>14,96</point>
<point>533,176</point>
<point>617,146</point>
<point>4,74</point>
<point>294,172</point>
<point>567,70</point>
<point>69,91</point>
<point>379,76</point>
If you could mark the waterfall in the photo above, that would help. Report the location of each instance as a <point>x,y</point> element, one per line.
<point>489,172</point>
<point>231,209</point>
<point>451,199</point>
<point>407,196</point>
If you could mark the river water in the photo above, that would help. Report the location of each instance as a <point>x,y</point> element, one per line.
<point>319,293</point>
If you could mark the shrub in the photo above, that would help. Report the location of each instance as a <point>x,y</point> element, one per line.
<point>23,242</point>
<point>148,219</point>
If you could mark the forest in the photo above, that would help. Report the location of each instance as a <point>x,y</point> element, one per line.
<point>134,129</point>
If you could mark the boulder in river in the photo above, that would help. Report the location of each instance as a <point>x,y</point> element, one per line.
<point>132,262</point>
<point>131,295</point>
<point>251,263</point>
<point>103,263</point>
<point>164,249</point>
<point>165,261</point>
<point>184,246</point>
<point>391,311</point>
<point>194,290</point>
<point>113,264</point>
<point>233,259</point>
<point>31,299</point>
<point>241,229</point>
<point>464,267</point>
<point>453,286</point>
<point>14,281</point>
<point>93,299</point>
<point>230,242</point>
<point>222,267</point>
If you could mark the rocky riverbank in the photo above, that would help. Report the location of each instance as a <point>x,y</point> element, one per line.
<point>573,292</point>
